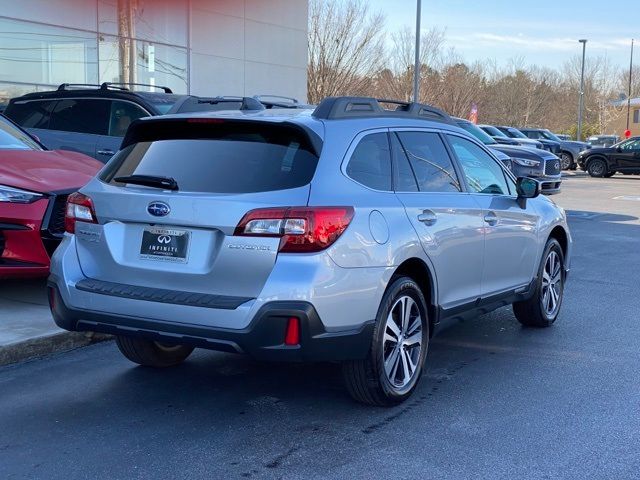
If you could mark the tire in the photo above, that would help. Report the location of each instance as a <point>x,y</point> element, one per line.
<point>566,161</point>
<point>609,174</point>
<point>597,168</point>
<point>381,378</point>
<point>536,311</point>
<point>152,354</point>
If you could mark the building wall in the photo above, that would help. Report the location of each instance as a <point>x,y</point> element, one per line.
<point>249,47</point>
<point>619,123</point>
<point>205,47</point>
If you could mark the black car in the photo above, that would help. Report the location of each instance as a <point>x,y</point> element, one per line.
<point>623,157</point>
<point>92,119</point>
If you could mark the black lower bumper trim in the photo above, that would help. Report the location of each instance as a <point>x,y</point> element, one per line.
<point>263,338</point>
<point>174,297</point>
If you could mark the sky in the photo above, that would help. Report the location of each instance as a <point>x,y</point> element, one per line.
<point>541,32</point>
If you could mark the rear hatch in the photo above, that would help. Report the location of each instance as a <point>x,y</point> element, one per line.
<point>184,239</point>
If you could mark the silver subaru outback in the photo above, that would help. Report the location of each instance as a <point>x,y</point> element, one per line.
<point>348,233</point>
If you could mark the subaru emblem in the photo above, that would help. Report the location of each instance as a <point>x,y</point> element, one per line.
<point>158,209</point>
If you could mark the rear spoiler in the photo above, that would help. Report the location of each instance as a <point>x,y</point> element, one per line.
<point>151,129</point>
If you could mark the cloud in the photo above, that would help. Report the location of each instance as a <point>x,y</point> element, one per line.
<point>524,42</point>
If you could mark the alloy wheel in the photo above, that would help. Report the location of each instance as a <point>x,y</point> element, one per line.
<point>596,168</point>
<point>402,342</point>
<point>565,161</point>
<point>551,284</point>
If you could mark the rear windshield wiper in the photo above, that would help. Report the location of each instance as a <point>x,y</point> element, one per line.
<point>166,183</point>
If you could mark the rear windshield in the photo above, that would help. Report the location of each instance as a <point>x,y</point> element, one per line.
<point>240,161</point>
<point>163,102</point>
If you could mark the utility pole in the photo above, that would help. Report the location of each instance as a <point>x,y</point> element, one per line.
<point>416,66</point>
<point>629,93</point>
<point>581,100</point>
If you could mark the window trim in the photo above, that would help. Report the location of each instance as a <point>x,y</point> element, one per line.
<point>56,100</point>
<point>454,163</point>
<point>352,147</point>
<point>483,147</point>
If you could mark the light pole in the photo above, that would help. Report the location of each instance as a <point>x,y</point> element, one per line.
<point>630,75</point>
<point>581,100</point>
<point>416,65</point>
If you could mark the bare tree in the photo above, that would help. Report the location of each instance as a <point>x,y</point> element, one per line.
<point>397,81</point>
<point>346,47</point>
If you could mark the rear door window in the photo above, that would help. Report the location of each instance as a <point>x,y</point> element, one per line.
<point>81,116</point>
<point>430,161</point>
<point>228,158</point>
<point>122,114</point>
<point>370,162</point>
<point>35,114</point>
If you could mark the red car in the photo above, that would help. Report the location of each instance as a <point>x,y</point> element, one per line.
<point>34,185</point>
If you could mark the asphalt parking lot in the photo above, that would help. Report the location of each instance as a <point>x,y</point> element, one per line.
<point>497,400</point>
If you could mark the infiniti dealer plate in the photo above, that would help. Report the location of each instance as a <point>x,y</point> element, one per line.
<point>165,244</point>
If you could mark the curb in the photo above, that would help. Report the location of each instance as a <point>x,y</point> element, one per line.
<point>48,344</point>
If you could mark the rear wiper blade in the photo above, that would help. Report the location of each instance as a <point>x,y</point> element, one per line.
<point>166,183</point>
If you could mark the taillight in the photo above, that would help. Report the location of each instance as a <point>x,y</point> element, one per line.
<point>79,209</point>
<point>302,229</point>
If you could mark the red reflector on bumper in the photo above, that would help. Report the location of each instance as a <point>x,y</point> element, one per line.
<point>292,336</point>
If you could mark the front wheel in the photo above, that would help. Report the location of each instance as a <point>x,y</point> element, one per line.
<point>542,309</point>
<point>609,174</point>
<point>152,354</point>
<point>566,161</point>
<point>597,168</point>
<point>390,372</point>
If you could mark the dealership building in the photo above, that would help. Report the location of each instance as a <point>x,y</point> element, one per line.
<point>202,47</point>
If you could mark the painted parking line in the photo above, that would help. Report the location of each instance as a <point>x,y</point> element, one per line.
<point>635,198</point>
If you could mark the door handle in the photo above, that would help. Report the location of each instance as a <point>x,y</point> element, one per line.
<point>491,218</point>
<point>106,152</point>
<point>428,217</point>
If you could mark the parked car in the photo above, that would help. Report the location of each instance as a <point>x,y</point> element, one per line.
<point>569,150</point>
<point>525,162</point>
<point>357,233</point>
<point>34,184</point>
<point>623,157</point>
<point>512,132</point>
<point>603,140</point>
<point>92,119</point>
<point>563,136</point>
<point>500,137</point>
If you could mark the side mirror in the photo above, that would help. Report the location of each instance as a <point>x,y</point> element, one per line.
<point>618,149</point>
<point>526,188</point>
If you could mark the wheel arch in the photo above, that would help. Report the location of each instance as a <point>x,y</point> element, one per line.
<point>568,152</point>
<point>418,270</point>
<point>561,236</point>
<point>597,156</point>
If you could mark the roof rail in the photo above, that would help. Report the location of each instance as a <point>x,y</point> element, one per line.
<point>247,103</point>
<point>334,108</point>
<point>107,85</point>
<point>276,97</point>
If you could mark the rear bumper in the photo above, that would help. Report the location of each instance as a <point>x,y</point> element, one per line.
<point>263,338</point>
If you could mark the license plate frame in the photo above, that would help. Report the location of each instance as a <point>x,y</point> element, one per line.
<point>165,244</point>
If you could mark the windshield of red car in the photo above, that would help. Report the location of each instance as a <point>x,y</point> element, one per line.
<point>12,138</point>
